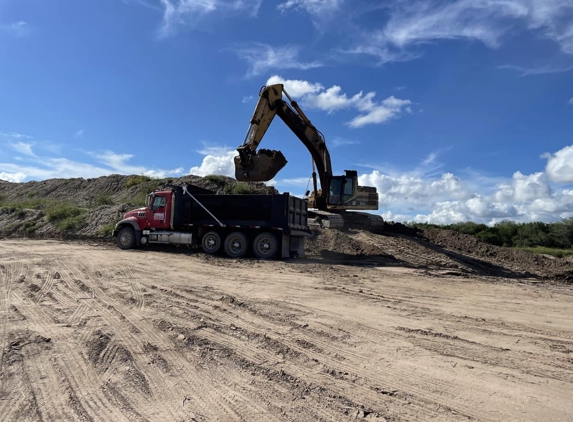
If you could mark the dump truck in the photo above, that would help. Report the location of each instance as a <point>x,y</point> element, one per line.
<point>269,226</point>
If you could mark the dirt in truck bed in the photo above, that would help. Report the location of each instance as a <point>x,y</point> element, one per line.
<point>367,327</point>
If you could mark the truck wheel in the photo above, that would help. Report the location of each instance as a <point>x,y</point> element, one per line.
<point>211,242</point>
<point>126,238</point>
<point>236,245</point>
<point>265,245</point>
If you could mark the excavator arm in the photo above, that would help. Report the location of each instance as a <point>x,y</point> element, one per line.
<point>264,165</point>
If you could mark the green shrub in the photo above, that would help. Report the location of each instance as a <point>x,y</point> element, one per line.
<point>71,223</point>
<point>31,194</point>
<point>106,230</point>
<point>136,180</point>
<point>2,198</point>
<point>102,199</point>
<point>215,178</point>
<point>30,227</point>
<point>241,189</point>
<point>62,211</point>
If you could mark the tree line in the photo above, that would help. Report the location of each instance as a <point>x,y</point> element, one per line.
<point>512,234</point>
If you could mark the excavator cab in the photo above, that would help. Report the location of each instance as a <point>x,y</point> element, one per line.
<point>345,194</point>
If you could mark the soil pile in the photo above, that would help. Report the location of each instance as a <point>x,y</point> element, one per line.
<point>93,205</point>
<point>514,259</point>
<point>334,243</point>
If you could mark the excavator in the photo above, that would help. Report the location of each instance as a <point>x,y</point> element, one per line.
<point>337,202</point>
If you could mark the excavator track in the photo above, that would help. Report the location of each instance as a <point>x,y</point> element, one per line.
<point>347,220</point>
<point>326,219</point>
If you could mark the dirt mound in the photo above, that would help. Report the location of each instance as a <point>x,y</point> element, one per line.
<point>514,259</point>
<point>337,244</point>
<point>94,205</point>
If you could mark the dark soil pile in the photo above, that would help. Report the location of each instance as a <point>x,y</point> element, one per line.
<point>543,266</point>
<point>334,243</point>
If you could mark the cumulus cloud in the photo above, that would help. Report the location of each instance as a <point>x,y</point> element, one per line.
<point>560,165</point>
<point>262,58</point>
<point>12,177</point>
<point>189,12</point>
<point>296,87</point>
<point>216,160</point>
<point>314,95</point>
<point>448,198</point>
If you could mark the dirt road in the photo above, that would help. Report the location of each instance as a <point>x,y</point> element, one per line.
<point>93,333</point>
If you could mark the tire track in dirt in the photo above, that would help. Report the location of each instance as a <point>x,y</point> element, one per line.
<point>306,358</point>
<point>67,372</point>
<point>117,314</point>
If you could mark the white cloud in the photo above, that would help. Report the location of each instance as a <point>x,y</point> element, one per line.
<point>340,142</point>
<point>262,58</point>
<point>539,70</point>
<point>189,12</point>
<point>119,164</point>
<point>79,133</point>
<point>14,135</point>
<point>216,160</point>
<point>23,148</point>
<point>295,87</point>
<point>571,101</point>
<point>413,23</point>
<point>15,29</point>
<point>247,99</point>
<point>315,7</point>
<point>35,166</point>
<point>419,196</point>
<point>314,95</point>
<point>12,177</point>
<point>560,165</point>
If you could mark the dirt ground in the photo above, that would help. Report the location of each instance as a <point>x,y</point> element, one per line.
<point>93,333</point>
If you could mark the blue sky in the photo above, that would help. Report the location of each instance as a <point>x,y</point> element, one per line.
<point>455,111</point>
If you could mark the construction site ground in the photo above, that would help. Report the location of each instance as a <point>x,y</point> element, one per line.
<point>367,327</point>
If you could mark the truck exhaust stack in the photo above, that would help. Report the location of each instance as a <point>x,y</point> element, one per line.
<point>259,167</point>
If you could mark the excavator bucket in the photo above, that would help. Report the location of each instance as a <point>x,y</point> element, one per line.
<point>262,167</point>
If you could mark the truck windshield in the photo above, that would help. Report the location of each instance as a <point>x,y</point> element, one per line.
<point>148,200</point>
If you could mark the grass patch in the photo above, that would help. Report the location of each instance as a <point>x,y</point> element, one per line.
<point>62,211</point>
<point>102,199</point>
<point>241,189</point>
<point>559,253</point>
<point>106,230</point>
<point>137,180</point>
<point>71,223</point>
<point>33,204</point>
<point>215,178</point>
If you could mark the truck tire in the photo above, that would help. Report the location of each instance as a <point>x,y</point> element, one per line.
<point>211,243</point>
<point>236,245</point>
<point>126,238</point>
<point>265,246</point>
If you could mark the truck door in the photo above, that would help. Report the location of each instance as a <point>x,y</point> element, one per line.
<point>160,212</point>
